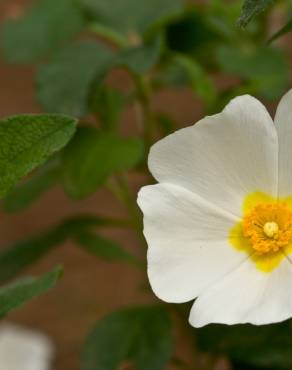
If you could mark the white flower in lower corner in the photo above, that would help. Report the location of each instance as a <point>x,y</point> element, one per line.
<point>24,349</point>
<point>219,223</point>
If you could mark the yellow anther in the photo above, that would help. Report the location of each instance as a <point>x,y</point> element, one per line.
<point>271,229</point>
<point>268,227</point>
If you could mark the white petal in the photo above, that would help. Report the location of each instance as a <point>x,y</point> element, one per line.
<point>23,349</point>
<point>223,157</point>
<point>188,242</point>
<point>283,122</point>
<point>247,295</point>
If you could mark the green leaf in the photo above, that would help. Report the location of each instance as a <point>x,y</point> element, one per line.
<point>140,335</point>
<point>260,346</point>
<point>65,83</point>
<point>265,68</point>
<point>93,156</point>
<point>104,248</point>
<point>47,25</point>
<point>22,254</point>
<point>141,58</point>
<point>252,8</point>
<point>242,366</point>
<point>28,191</point>
<point>108,103</point>
<point>190,33</point>
<point>198,79</point>
<point>166,124</point>
<point>15,295</point>
<point>131,16</point>
<point>27,141</point>
<point>287,28</point>
<point>184,70</point>
<point>18,256</point>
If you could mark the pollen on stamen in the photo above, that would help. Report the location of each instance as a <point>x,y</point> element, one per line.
<point>268,227</point>
<point>271,229</point>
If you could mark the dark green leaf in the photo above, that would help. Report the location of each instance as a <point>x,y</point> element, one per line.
<point>64,84</point>
<point>260,346</point>
<point>27,141</point>
<point>93,156</point>
<point>104,248</point>
<point>141,58</point>
<point>287,28</point>
<point>45,27</point>
<point>131,16</point>
<point>27,192</point>
<point>15,295</point>
<point>108,103</point>
<point>243,366</point>
<point>22,254</point>
<point>190,33</point>
<point>140,335</point>
<point>252,8</point>
<point>15,258</point>
<point>166,124</point>
<point>265,68</point>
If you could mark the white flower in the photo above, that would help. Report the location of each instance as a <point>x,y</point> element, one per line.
<point>24,349</point>
<point>219,223</point>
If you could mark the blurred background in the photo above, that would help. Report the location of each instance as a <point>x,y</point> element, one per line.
<point>227,60</point>
<point>90,287</point>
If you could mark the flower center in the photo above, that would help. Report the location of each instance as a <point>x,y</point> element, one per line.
<point>268,227</point>
<point>271,229</point>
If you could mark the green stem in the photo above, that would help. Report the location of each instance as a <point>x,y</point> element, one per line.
<point>144,99</point>
<point>109,34</point>
<point>115,222</point>
<point>121,189</point>
<point>180,364</point>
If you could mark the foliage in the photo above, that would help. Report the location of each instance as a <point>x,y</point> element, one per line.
<point>268,346</point>
<point>78,47</point>
<point>16,294</point>
<point>64,83</point>
<point>27,141</point>
<point>41,30</point>
<point>251,8</point>
<point>146,340</point>
<point>257,67</point>
<point>81,175</point>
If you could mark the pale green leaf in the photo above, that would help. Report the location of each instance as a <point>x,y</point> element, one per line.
<point>252,8</point>
<point>16,294</point>
<point>132,16</point>
<point>64,85</point>
<point>47,25</point>
<point>27,141</point>
<point>93,156</point>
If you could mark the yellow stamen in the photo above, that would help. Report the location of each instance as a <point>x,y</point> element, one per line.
<point>265,230</point>
<point>271,229</point>
<point>268,227</point>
